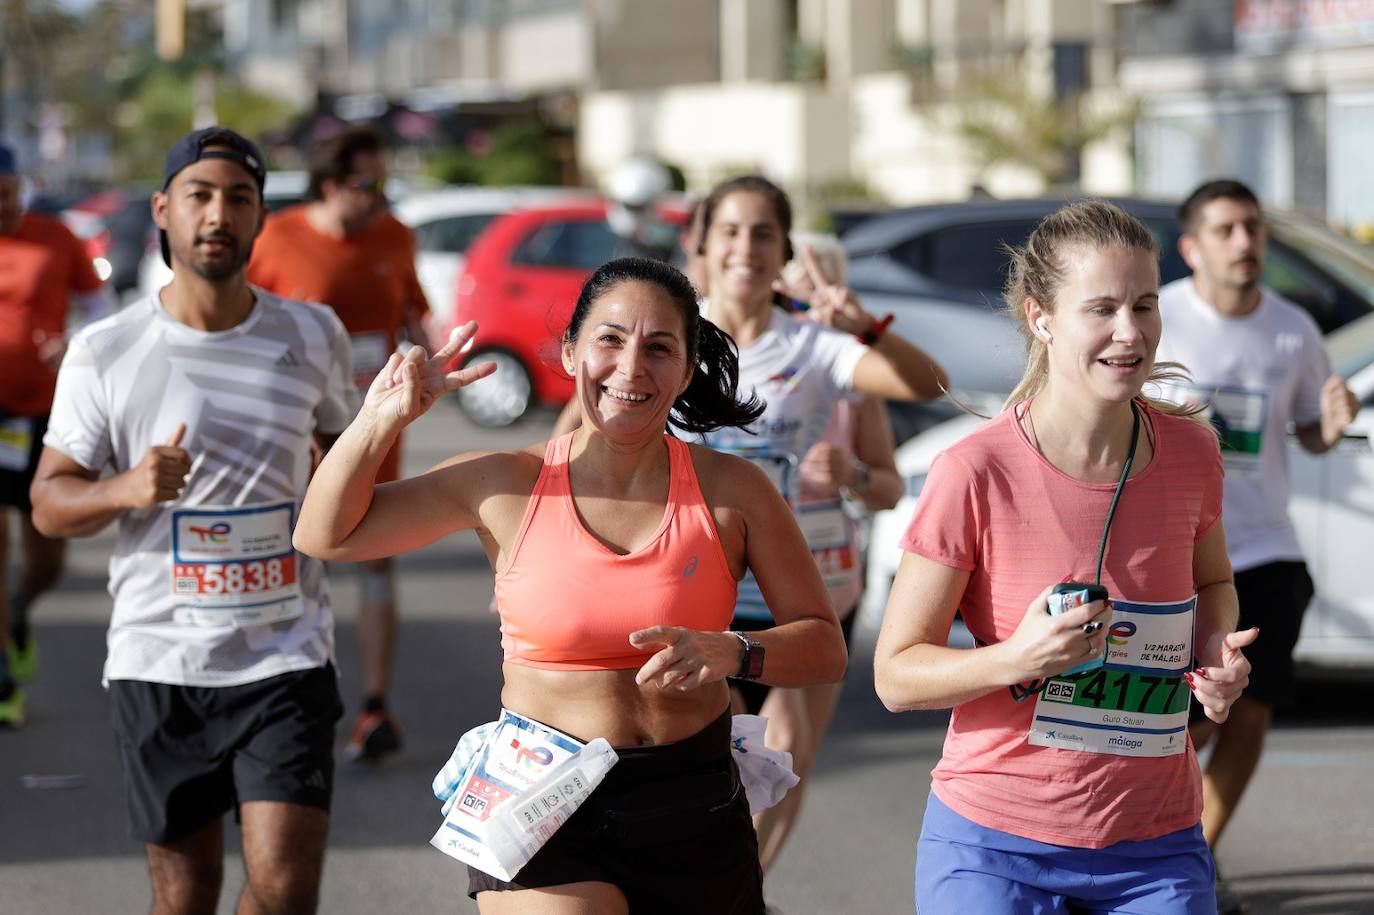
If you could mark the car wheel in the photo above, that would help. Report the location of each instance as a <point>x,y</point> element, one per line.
<point>501,398</point>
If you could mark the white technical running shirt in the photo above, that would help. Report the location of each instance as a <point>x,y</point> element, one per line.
<point>800,369</point>
<point>207,589</point>
<point>1258,373</point>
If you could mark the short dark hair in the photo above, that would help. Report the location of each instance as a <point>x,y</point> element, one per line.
<point>334,159</point>
<point>712,399</point>
<point>757,184</point>
<point>1220,189</point>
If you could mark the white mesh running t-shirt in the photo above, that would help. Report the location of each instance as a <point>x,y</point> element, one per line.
<point>1258,373</point>
<point>207,589</point>
<point>800,369</point>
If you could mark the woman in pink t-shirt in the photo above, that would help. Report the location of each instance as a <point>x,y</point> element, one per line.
<point>1067,778</point>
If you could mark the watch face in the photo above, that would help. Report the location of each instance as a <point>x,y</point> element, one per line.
<point>755,661</point>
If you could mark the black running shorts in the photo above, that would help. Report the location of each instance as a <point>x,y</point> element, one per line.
<point>190,754</point>
<point>670,827</point>
<point>14,483</point>
<point>1273,597</point>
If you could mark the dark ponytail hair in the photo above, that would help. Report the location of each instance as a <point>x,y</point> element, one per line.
<point>712,399</point>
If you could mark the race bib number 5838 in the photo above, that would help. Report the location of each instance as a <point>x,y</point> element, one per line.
<point>235,566</point>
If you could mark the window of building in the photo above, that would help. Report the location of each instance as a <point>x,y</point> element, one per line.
<point>1350,180</point>
<point>1183,142</point>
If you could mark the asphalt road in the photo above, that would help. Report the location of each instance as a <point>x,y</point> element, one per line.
<point>1303,841</point>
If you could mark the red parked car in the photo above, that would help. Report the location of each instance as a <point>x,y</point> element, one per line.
<point>519,283</point>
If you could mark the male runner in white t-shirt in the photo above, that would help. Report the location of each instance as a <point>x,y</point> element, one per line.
<point>202,400</point>
<point>1257,359</point>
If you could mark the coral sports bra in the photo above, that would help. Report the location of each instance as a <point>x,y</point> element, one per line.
<point>569,602</point>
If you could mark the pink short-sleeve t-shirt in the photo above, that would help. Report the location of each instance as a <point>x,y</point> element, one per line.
<point>994,506</point>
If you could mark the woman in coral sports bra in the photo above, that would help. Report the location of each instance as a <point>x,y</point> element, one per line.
<point>617,550</point>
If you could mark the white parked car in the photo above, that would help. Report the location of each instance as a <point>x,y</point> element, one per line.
<point>1332,508</point>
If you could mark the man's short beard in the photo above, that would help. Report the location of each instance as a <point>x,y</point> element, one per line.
<point>216,273</point>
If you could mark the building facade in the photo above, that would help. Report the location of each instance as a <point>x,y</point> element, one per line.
<point>1279,93</point>
<point>856,95</point>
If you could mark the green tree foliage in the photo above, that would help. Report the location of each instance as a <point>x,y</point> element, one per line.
<point>99,65</point>
<point>519,151</point>
<point>1003,123</point>
<point>160,110</point>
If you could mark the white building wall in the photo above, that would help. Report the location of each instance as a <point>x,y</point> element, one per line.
<point>797,135</point>
<point>542,53</point>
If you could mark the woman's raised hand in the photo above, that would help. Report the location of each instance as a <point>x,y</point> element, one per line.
<point>409,385</point>
<point>833,304</point>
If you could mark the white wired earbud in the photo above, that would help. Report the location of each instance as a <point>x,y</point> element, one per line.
<point>1044,331</point>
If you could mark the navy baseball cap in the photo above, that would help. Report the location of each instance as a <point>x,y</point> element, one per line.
<point>6,161</point>
<point>210,143</point>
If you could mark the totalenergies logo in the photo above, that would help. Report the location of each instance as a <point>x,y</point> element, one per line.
<point>1120,632</point>
<point>787,378</point>
<point>215,533</point>
<point>535,759</point>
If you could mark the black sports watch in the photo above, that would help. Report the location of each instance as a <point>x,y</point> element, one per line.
<point>750,658</point>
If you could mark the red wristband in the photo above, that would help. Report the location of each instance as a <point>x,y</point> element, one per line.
<point>877,329</point>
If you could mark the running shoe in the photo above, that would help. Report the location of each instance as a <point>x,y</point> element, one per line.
<point>12,709</point>
<point>23,661</point>
<point>374,735</point>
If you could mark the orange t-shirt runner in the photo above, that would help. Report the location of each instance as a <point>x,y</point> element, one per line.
<point>368,279</point>
<point>41,265</point>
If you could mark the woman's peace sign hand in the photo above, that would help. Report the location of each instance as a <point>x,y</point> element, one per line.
<point>831,303</point>
<point>409,385</point>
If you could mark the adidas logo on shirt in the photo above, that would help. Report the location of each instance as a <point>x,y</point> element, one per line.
<point>288,359</point>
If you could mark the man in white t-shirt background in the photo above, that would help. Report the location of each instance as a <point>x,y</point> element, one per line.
<point>201,401</point>
<point>1257,360</point>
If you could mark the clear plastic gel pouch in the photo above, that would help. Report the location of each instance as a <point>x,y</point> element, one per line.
<point>1067,595</point>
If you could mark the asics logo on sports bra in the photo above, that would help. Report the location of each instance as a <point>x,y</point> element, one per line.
<point>1120,632</point>
<point>215,533</point>
<point>537,758</point>
<point>691,568</point>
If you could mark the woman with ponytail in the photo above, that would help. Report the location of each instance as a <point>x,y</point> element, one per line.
<point>800,370</point>
<point>1077,535</point>
<point>617,550</point>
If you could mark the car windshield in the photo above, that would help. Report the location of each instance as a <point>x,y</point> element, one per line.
<point>1346,261</point>
<point>1352,347</point>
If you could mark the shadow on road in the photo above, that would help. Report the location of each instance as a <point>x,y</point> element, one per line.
<point>1318,891</point>
<point>447,684</point>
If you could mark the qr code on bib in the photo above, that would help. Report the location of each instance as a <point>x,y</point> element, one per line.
<point>1059,691</point>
